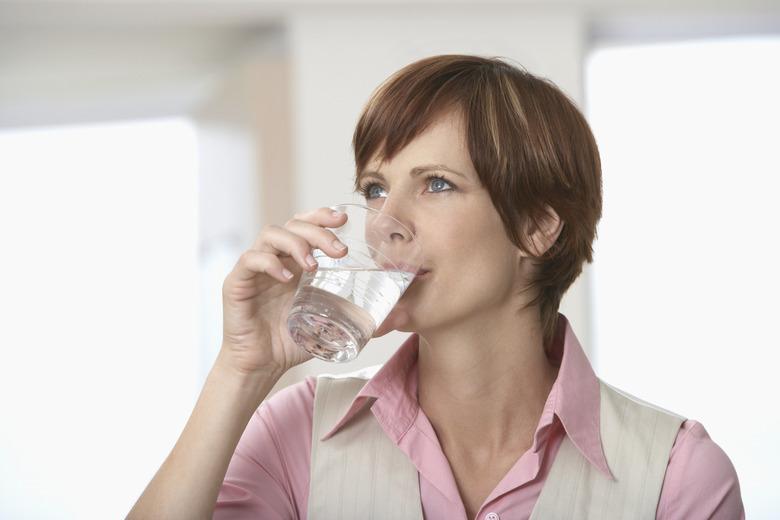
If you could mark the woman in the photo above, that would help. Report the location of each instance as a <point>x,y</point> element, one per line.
<point>490,409</point>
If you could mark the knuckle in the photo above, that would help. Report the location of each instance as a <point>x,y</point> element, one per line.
<point>331,238</point>
<point>245,257</point>
<point>302,244</point>
<point>268,228</point>
<point>327,239</point>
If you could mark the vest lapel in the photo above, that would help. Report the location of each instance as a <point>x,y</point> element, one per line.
<point>637,438</point>
<point>358,472</point>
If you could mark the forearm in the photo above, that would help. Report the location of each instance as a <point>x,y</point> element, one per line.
<point>187,484</point>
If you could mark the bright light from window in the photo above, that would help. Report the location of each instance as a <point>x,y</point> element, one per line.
<point>99,306</point>
<point>685,275</point>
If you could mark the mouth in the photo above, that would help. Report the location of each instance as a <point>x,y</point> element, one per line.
<point>422,275</point>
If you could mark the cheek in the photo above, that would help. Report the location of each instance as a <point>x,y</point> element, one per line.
<point>468,253</point>
<point>485,271</point>
<point>472,275</point>
<point>471,242</point>
<point>456,238</point>
<point>479,261</point>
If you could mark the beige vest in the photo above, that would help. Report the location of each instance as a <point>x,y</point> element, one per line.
<point>360,473</point>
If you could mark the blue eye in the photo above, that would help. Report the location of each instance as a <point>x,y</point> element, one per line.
<point>438,179</point>
<point>366,188</point>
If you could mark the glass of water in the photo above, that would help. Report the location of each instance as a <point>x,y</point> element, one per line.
<point>337,308</point>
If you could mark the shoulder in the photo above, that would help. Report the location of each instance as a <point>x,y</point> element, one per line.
<point>700,480</point>
<point>286,417</point>
<point>290,408</point>
<point>268,475</point>
<point>613,393</point>
<point>279,431</point>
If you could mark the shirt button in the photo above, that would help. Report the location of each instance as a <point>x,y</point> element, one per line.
<point>492,516</point>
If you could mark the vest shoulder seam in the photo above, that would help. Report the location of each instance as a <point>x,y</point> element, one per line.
<point>639,402</point>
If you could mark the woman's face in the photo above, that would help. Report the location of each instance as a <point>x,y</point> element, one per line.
<point>474,268</point>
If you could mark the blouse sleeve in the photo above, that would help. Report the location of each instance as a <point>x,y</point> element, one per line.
<point>700,480</point>
<point>268,475</point>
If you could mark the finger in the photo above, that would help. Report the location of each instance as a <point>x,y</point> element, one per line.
<point>322,217</point>
<point>318,237</point>
<point>283,242</point>
<point>252,262</point>
<point>280,241</point>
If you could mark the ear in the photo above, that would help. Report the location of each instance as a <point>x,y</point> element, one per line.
<point>543,237</point>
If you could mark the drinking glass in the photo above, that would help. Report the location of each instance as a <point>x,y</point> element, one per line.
<point>337,308</point>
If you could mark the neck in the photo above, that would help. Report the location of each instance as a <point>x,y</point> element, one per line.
<point>483,384</point>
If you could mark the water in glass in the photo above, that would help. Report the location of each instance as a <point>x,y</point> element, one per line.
<point>338,311</point>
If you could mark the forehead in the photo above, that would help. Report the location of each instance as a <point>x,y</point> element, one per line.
<point>443,142</point>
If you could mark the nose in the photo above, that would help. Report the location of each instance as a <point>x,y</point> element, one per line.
<point>399,226</point>
<point>392,237</point>
<point>390,230</point>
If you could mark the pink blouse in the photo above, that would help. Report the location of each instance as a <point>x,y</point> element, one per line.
<point>268,476</point>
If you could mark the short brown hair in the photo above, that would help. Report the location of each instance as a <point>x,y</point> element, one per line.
<point>529,144</point>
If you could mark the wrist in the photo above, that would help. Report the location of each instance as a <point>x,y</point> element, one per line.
<point>254,385</point>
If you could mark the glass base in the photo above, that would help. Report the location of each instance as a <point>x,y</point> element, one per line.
<point>322,337</point>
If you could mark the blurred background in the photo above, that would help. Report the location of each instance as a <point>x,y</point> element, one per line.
<point>143,145</point>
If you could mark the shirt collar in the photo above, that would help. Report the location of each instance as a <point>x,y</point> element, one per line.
<point>395,383</point>
<point>575,397</point>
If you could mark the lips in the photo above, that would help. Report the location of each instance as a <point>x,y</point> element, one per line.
<point>422,274</point>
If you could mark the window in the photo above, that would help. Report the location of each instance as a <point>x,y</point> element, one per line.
<point>99,303</point>
<point>685,282</point>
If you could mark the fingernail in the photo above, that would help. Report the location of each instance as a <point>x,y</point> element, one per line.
<point>338,245</point>
<point>336,213</point>
<point>311,261</point>
<point>287,274</point>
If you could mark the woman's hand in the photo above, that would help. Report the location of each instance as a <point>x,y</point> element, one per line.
<point>257,296</point>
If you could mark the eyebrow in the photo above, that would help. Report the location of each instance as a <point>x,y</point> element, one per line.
<point>414,172</point>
